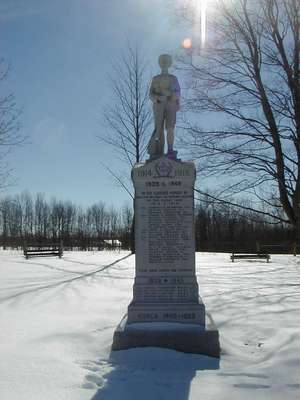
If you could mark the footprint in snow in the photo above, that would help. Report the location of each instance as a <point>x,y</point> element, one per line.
<point>94,379</point>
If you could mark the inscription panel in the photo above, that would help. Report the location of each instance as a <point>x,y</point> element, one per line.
<point>166,316</point>
<point>183,313</point>
<point>165,293</point>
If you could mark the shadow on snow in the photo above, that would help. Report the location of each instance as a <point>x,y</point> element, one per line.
<point>146,373</point>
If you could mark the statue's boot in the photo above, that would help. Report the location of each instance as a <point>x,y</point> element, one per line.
<point>172,154</point>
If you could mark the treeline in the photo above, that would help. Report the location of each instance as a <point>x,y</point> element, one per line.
<point>27,218</point>
<point>221,227</point>
<point>34,219</point>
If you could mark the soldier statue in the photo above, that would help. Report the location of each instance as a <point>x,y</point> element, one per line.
<point>165,95</point>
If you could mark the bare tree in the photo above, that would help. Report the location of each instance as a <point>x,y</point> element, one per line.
<point>26,203</point>
<point>41,216</point>
<point>126,225</point>
<point>248,79</point>
<point>9,125</point>
<point>127,115</point>
<point>99,218</point>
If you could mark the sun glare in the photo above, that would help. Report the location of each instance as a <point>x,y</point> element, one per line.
<point>203,10</point>
<point>187,43</point>
<point>199,9</point>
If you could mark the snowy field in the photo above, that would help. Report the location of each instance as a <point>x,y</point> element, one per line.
<point>57,318</point>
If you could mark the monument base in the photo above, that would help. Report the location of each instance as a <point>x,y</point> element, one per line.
<point>167,312</point>
<point>188,338</point>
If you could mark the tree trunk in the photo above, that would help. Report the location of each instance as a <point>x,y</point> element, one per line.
<point>132,235</point>
<point>297,232</point>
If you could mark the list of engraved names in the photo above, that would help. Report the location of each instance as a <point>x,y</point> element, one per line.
<point>167,231</point>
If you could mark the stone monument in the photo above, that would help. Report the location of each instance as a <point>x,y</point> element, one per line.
<point>166,310</point>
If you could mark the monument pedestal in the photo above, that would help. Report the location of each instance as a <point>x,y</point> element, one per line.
<point>188,338</point>
<point>166,310</point>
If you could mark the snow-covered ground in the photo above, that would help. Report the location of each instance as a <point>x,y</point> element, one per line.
<point>57,318</point>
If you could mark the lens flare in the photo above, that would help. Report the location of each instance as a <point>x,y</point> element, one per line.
<point>186,43</point>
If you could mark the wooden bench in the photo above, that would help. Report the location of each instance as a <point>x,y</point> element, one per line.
<point>282,248</point>
<point>41,249</point>
<point>250,256</point>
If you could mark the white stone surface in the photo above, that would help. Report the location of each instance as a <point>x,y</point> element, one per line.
<point>165,287</point>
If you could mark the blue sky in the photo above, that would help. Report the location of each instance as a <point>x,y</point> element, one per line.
<point>60,52</point>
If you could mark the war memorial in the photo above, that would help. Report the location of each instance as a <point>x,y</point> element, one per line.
<point>166,309</point>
